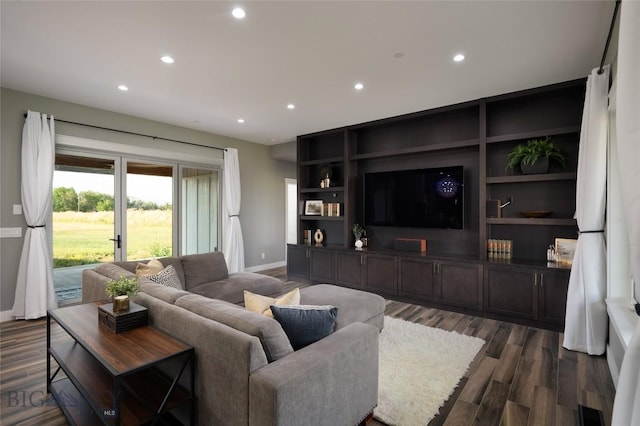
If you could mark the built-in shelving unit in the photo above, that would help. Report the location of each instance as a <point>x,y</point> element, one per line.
<point>477,135</point>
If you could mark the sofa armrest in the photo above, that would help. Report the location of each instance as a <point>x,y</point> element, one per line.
<point>332,382</point>
<point>93,286</point>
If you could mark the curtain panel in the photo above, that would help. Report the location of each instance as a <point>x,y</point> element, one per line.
<point>586,319</point>
<point>626,407</point>
<point>233,243</point>
<point>34,285</point>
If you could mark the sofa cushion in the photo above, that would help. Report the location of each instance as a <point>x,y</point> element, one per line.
<point>167,277</point>
<point>152,267</point>
<point>113,271</point>
<point>204,268</point>
<point>306,324</point>
<point>232,289</point>
<point>272,337</point>
<point>262,304</point>
<point>159,291</point>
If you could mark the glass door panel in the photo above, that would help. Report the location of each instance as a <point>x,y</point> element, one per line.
<point>199,215</point>
<point>84,219</point>
<point>149,213</point>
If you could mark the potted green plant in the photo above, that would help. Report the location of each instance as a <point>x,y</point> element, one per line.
<point>358,231</point>
<point>120,291</point>
<point>535,156</point>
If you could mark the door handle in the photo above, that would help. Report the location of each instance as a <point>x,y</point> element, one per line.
<point>117,240</point>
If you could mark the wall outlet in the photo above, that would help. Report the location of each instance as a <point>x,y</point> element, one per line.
<point>17,209</point>
<point>10,232</point>
<point>261,255</point>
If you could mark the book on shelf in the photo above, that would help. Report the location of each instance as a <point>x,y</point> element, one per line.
<point>331,209</point>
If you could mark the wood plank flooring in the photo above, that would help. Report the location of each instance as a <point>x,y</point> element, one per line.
<point>522,376</point>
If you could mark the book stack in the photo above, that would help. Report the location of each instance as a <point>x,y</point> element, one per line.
<point>331,209</point>
<point>307,236</point>
<point>499,249</point>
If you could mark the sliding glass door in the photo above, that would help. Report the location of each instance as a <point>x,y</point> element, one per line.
<point>110,208</point>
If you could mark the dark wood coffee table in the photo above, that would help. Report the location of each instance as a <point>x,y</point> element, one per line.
<point>117,378</point>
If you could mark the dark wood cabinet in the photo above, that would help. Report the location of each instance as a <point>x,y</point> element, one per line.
<point>460,284</point>
<point>529,293</point>
<point>381,274</point>
<point>418,279</point>
<point>321,265</point>
<point>297,262</point>
<point>349,271</point>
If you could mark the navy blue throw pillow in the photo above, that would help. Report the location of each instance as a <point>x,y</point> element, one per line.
<point>305,324</point>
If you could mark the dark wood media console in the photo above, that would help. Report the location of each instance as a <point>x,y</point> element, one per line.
<point>456,272</point>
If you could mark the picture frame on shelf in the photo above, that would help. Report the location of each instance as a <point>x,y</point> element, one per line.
<point>565,249</point>
<point>313,207</point>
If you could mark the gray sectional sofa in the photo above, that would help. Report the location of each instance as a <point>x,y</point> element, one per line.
<point>247,372</point>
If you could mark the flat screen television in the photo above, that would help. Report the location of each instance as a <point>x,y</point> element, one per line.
<point>423,198</point>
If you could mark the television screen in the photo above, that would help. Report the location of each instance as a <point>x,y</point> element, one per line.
<point>424,198</point>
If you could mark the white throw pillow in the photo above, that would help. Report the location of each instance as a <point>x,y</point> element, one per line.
<point>167,277</point>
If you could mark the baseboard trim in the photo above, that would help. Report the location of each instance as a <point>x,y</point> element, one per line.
<point>6,315</point>
<point>266,266</point>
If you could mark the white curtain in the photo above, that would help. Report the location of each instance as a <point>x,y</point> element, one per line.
<point>586,317</point>
<point>626,407</point>
<point>233,244</point>
<point>34,287</point>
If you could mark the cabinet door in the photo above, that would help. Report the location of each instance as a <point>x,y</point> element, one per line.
<point>553,287</point>
<point>511,291</point>
<point>417,279</point>
<point>321,265</point>
<point>349,269</point>
<point>381,274</point>
<point>298,261</point>
<point>460,284</point>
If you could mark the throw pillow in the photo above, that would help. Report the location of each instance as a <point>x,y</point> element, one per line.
<point>262,304</point>
<point>150,268</point>
<point>167,277</point>
<point>305,324</point>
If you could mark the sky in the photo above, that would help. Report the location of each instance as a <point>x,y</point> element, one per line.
<point>141,187</point>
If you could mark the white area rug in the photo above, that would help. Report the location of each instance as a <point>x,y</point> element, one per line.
<point>419,369</point>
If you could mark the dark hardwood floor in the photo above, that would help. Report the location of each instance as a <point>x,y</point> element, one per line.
<point>522,376</point>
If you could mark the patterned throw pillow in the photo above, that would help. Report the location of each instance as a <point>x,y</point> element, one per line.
<point>305,324</point>
<point>167,277</point>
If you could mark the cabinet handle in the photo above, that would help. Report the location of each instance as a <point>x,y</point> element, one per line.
<point>433,269</point>
<point>362,260</point>
<point>535,280</point>
<point>541,279</point>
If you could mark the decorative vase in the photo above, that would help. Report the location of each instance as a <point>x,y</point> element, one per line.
<point>539,167</point>
<point>359,244</point>
<point>121,303</point>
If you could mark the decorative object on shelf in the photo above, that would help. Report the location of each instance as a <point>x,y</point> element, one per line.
<point>120,290</point>
<point>307,236</point>
<point>499,249</point>
<point>415,245</point>
<point>551,253</point>
<point>536,213</point>
<point>565,249</point>
<point>535,156</point>
<point>331,209</point>
<point>313,207</point>
<point>318,237</point>
<point>358,232</point>
<point>325,176</point>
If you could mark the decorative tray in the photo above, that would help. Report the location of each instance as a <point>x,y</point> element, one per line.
<point>536,213</point>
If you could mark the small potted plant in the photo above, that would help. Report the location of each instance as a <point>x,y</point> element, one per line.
<point>358,231</point>
<point>535,156</point>
<point>120,290</point>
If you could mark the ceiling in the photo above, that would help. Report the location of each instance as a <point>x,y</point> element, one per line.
<point>309,53</point>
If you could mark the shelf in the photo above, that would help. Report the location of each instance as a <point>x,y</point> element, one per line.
<point>92,379</point>
<point>532,178</point>
<point>331,218</point>
<point>534,134</point>
<point>328,160</point>
<point>531,221</point>
<point>320,190</point>
<point>417,150</point>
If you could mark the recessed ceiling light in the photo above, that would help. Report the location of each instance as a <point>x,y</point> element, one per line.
<point>459,57</point>
<point>167,59</point>
<point>358,86</point>
<point>240,120</point>
<point>238,13</point>
<point>123,88</point>
<point>291,106</point>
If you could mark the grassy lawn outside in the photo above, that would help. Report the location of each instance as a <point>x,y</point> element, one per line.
<point>83,238</point>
